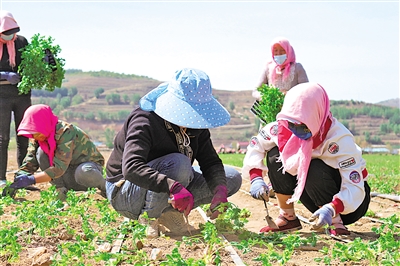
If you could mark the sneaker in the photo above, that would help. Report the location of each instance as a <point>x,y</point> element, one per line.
<point>290,225</point>
<point>3,183</point>
<point>152,226</point>
<point>174,221</point>
<point>339,230</point>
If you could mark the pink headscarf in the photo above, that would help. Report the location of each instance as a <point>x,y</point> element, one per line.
<point>7,22</point>
<point>40,119</point>
<point>291,57</point>
<point>306,103</point>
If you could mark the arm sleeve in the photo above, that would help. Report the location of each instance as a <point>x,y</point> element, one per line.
<point>65,139</point>
<point>301,74</point>
<point>210,164</point>
<point>257,150</point>
<point>138,144</point>
<point>30,164</point>
<point>351,165</point>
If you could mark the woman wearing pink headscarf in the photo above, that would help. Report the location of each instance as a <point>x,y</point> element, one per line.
<point>64,152</point>
<point>311,157</point>
<point>10,99</point>
<point>282,71</point>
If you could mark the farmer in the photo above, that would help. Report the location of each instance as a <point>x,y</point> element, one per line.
<point>150,169</point>
<point>310,157</point>
<point>64,152</point>
<point>282,71</point>
<point>10,99</point>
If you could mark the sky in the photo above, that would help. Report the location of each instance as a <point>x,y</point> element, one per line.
<point>351,48</point>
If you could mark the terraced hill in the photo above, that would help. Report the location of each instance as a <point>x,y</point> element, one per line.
<point>242,126</point>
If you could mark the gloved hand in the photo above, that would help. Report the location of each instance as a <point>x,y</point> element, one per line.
<point>181,198</point>
<point>11,77</point>
<point>259,189</point>
<point>220,196</point>
<point>23,181</point>
<point>49,58</point>
<point>324,215</point>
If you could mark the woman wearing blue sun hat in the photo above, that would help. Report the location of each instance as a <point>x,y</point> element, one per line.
<point>151,167</point>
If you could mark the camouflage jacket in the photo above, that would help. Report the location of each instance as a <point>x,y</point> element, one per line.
<point>73,148</point>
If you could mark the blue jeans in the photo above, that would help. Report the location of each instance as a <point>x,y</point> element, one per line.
<point>76,177</point>
<point>130,200</point>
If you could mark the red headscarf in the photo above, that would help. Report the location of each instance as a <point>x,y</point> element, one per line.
<point>307,103</point>
<point>39,118</point>
<point>290,58</point>
<point>7,22</point>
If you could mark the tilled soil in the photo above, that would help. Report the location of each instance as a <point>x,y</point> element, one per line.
<point>41,250</point>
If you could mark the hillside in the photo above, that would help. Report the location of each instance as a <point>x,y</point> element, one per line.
<point>242,126</point>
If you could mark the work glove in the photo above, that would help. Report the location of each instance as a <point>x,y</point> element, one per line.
<point>220,196</point>
<point>181,198</point>
<point>49,59</point>
<point>11,77</point>
<point>23,181</point>
<point>259,189</point>
<point>324,215</point>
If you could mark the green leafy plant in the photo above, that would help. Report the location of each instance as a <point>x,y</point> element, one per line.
<point>270,104</point>
<point>35,71</point>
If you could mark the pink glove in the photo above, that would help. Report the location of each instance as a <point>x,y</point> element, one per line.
<point>181,198</point>
<point>220,196</point>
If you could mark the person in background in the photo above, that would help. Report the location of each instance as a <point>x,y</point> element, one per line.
<point>282,71</point>
<point>64,152</point>
<point>311,157</point>
<point>10,100</point>
<point>151,166</point>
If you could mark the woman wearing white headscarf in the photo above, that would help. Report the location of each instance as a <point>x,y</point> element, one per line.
<point>150,169</point>
<point>311,157</point>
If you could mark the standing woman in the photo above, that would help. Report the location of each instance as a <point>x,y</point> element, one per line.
<point>10,100</point>
<point>282,71</point>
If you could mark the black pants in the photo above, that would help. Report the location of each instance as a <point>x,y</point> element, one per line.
<point>8,105</point>
<point>323,182</point>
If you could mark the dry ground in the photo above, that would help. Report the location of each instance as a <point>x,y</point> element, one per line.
<point>302,256</point>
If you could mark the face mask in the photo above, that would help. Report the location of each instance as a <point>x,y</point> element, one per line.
<point>7,37</point>
<point>279,59</point>
<point>300,130</point>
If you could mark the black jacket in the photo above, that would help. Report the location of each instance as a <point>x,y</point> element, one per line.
<point>144,137</point>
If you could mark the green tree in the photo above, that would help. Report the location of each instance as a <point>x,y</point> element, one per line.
<point>72,91</point>
<point>232,105</point>
<point>135,99</point>
<point>98,92</point>
<point>77,99</point>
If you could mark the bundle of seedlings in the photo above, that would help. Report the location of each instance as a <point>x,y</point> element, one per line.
<point>41,67</point>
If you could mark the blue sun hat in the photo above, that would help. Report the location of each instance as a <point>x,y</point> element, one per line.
<point>186,101</point>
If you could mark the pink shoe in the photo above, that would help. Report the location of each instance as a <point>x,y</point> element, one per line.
<point>339,230</point>
<point>291,225</point>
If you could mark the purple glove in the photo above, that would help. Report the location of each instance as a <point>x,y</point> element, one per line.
<point>220,196</point>
<point>11,77</point>
<point>324,215</point>
<point>258,189</point>
<point>23,181</point>
<point>182,199</point>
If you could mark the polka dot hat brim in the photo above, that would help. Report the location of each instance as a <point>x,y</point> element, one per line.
<point>187,101</point>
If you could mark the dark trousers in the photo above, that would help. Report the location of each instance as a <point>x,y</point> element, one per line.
<point>323,182</point>
<point>8,105</point>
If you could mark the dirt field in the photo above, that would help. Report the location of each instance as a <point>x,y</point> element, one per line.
<point>47,246</point>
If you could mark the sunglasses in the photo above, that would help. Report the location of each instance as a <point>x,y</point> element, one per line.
<point>300,130</point>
